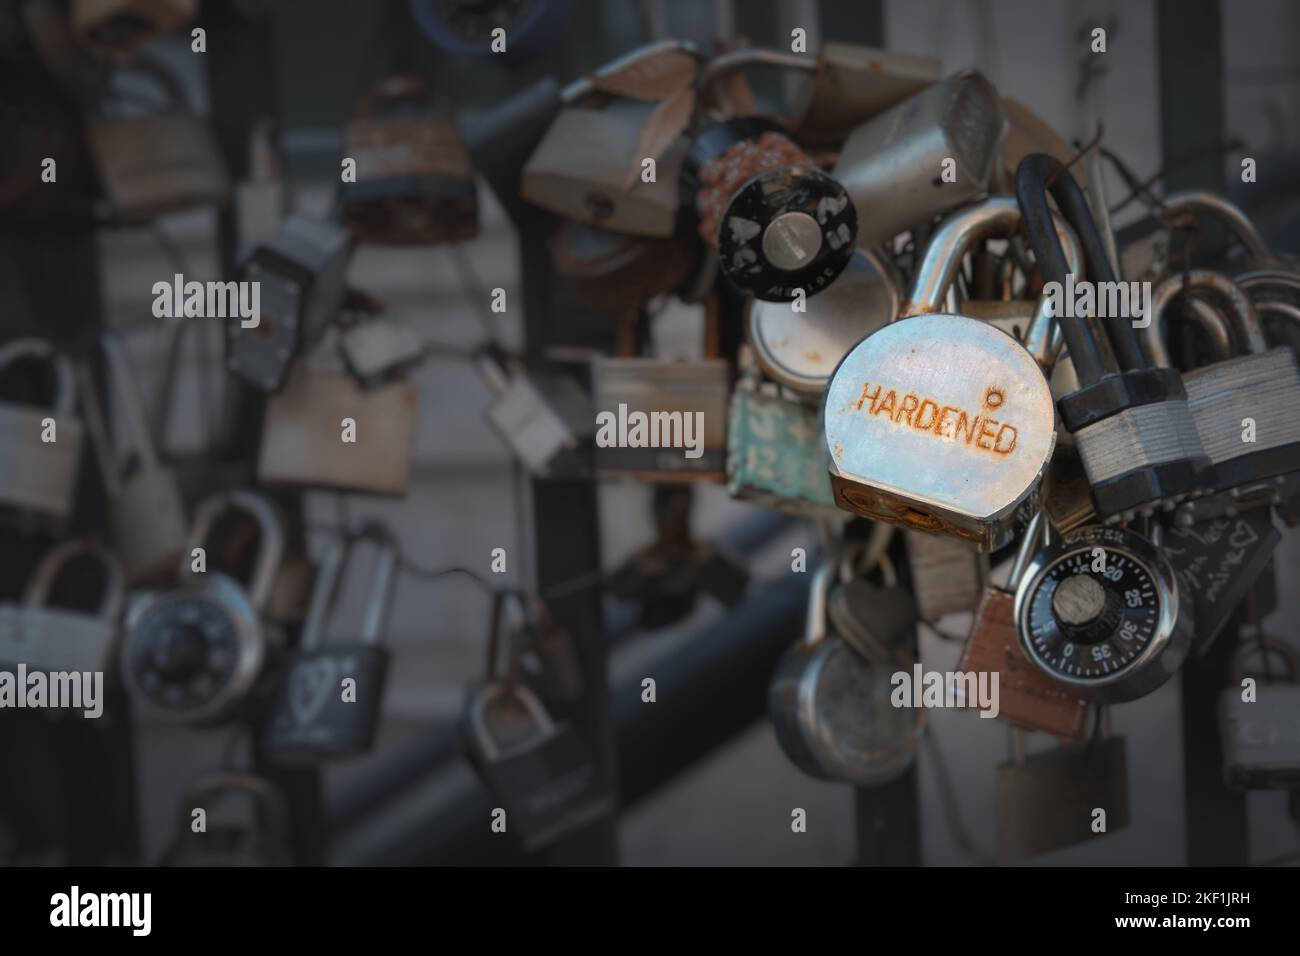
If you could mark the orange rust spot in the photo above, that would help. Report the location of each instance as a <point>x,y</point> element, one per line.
<point>994,397</point>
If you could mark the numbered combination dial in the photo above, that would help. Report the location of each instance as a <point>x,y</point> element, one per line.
<point>1100,611</point>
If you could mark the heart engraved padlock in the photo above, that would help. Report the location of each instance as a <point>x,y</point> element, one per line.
<point>193,654</point>
<point>316,716</point>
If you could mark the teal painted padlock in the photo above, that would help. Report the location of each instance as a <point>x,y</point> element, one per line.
<point>775,454</point>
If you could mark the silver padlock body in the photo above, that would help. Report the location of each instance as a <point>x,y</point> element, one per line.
<point>148,524</point>
<point>948,575</point>
<point>380,347</point>
<point>776,456</point>
<point>151,165</point>
<point>1263,388</point>
<point>801,349</point>
<point>535,431</point>
<point>35,475</point>
<point>891,166</point>
<point>579,169</point>
<point>302,437</point>
<point>1261,739</point>
<point>940,423</point>
<point>53,639</point>
<point>854,83</point>
<point>674,395</point>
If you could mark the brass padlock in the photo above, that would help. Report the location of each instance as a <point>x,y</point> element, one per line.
<point>414,183</point>
<point>120,27</point>
<point>158,162</point>
<point>323,430</point>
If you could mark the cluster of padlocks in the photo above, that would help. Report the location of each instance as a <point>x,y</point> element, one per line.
<point>918,331</point>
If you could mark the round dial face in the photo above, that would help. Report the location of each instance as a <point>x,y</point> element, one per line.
<point>1092,613</point>
<point>184,652</point>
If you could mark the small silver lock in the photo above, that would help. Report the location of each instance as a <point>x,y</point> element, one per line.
<point>1261,737</point>
<point>543,418</point>
<point>50,638</point>
<point>192,654</point>
<point>37,476</point>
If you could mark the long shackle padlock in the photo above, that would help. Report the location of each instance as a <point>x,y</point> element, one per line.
<point>331,698</point>
<point>941,422</point>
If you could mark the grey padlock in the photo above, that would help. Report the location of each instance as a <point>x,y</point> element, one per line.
<point>940,422</point>
<point>261,840</point>
<point>301,272</point>
<point>379,348</point>
<point>876,620</point>
<point>146,513</point>
<point>831,710</point>
<point>120,27</point>
<point>311,721</point>
<point>192,654</point>
<point>50,638</point>
<point>543,418</point>
<point>1261,737</point>
<point>948,574</point>
<point>37,476</point>
<point>893,165</point>
<point>1049,800</point>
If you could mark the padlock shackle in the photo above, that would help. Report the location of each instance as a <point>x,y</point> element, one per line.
<point>1030,541</point>
<point>726,63</point>
<point>586,85</point>
<point>37,592</point>
<point>1223,291</point>
<point>1261,278</point>
<point>1276,307</point>
<point>65,378</point>
<point>329,575</point>
<point>489,692</point>
<point>1199,203</point>
<point>514,601</point>
<point>270,540</point>
<point>960,234</point>
<point>819,588</point>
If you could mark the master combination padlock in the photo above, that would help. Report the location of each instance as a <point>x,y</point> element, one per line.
<point>543,772</point>
<point>1261,735</point>
<point>315,716</point>
<point>193,654</point>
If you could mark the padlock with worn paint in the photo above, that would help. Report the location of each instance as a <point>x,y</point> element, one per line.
<point>543,772</point>
<point>301,274</point>
<point>544,418</point>
<point>1218,561</point>
<point>590,165</point>
<point>323,430</point>
<point>1049,800</point>
<point>831,710</point>
<point>193,654</point>
<point>315,717</point>
<point>120,27</point>
<point>261,839</point>
<point>48,637</point>
<point>414,183</point>
<point>146,513</point>
<point>1027,697</point>
<point>663,420</point>
<point>38,478</point>
<point>1261,735</point>
<point>161,162</point>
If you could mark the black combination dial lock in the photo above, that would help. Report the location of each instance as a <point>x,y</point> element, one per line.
<point>1100,610</point>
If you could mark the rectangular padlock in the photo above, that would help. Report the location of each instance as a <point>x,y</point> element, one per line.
<point>948,575</point>
<point>414,183</point>
<point>325,431</point>
<point>1218,562</point>
<point>543,418</point>
<point>301,274</point>
<point>316,716</point>
<point>161,162</point>
<point>379,348</point>
<point>1260,728</point>
<point>775,454</point>
<point>1049,801</point>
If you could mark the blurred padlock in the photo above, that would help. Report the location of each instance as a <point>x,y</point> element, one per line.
<point>589,168</point>
<point>260,839</point>
<point>159,162</point>
<point>301,273</point>
<point>380,348</point>
<point>1050,800</point>
<point>614,272</point>
<point>543,418</point>
<point>323,430</point>
<point>48,636</point>
<point>315,715</point>
<point>120,27</point>
<point>894,167</point>
<point>40,431</point>
<point>1261,729</point>
<point>146,513</point>
<point>261,200</point>
<point>414,183</point>
<point>948,574</point>
<point>876,620</point>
